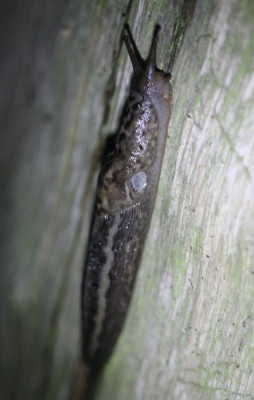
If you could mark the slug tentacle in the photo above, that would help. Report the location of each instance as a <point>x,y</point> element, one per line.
<point>137,67</point>
<point>126,193</point>
<point>151,64</point>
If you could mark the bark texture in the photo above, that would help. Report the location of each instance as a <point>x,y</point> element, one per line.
<point>64,78</point>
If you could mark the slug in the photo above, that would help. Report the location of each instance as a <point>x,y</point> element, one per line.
<point>126,192</point>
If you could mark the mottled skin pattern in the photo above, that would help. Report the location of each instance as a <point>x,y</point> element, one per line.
<point>135,151</point>
<point>126,192</point>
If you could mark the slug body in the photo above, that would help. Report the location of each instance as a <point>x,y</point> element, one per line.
<point>126,193</point>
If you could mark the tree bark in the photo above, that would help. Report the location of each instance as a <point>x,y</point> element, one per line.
<point>64,78</point>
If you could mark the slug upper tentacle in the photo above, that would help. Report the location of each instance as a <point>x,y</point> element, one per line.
<point>126,193</point>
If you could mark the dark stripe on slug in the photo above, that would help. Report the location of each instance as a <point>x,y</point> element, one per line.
<point>97,257</point>
<point>121,276</point>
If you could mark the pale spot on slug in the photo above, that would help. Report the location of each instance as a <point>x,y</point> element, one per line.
<point>138,181</point>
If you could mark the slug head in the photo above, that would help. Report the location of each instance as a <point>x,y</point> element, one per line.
<point>147,77</point>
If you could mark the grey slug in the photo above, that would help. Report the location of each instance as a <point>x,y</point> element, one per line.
<point>126,192</point>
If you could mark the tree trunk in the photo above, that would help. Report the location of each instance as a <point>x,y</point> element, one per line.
<point>64,78</point>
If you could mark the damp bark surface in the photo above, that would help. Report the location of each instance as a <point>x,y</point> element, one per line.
<point>64,78</point>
